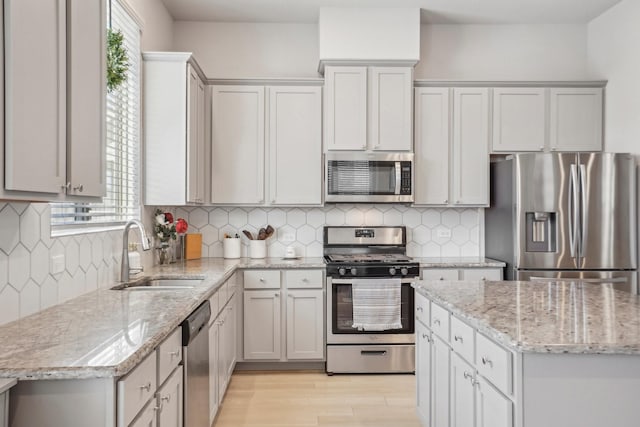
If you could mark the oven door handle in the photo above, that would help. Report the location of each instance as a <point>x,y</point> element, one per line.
<point>404,281</point>
<point>373,352</point>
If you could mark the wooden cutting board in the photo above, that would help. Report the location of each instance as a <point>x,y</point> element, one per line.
<point>193,246</point>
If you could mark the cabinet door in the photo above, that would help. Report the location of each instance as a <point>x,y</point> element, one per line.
<point>432,146</point>
<point>494,409</point>
<point>201,163</point>
<point>441,360</point>
<point>170,401</point>
<point>295,145</point>
<point>262,325</point>
<point>481,274</point>
<point>230,341</point>
<point>519,119</point>
<point>222,357</point>
<point>86,98</point>
<point>462,393</point>
<point>4,412</point>
<point>195,137</point>
<point>147,417</point>
<point>575,119</point>
<point>214,401</point>
<point>345,108</point>
<point>237,133</point>
<point>305,324</point>
<point>35,101</point>
<point>423,373</point>
<point>390,108</point>
<point>470,150</point>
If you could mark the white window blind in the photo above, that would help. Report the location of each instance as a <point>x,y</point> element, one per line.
<point>122,200</point>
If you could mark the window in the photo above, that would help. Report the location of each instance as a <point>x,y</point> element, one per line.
<point>122,200</point>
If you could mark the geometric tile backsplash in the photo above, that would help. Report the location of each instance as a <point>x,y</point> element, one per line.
<point>92,260</point>
<point>430,232</point>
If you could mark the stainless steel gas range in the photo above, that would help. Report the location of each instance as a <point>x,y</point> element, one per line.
<point>368,255</point>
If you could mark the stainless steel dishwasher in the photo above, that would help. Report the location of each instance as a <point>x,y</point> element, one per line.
<point>195,341</point>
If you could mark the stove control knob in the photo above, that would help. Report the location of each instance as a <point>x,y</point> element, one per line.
<point>354,271</point>
<point>342,271</point>
<point>404,271</point>
<point>392,271</point>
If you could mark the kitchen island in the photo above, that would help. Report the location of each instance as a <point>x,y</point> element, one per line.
<point>527,354</point>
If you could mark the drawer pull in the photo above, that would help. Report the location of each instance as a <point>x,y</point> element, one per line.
<point>305,280</point>
<point>373,352</point>
<point>457,338</point>
<point>158,408</point>
<point>475,383</point>
<point>441,278</point>
<point>419,309</point>
<point>468,375</point>
<point>147,387</point>
<point>487,361</point>
<point>262,280</point>
<point>174,353</point>
<point>166,398</point>
<point>436,321</point>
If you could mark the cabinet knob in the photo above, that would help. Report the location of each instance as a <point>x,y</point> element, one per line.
<point>174,353</point>
<point>467,375</point>
<point>486,361</point>
<point>277,295</point>
<point>146,387</point>
<point>457,201</point>
<point>262,280</point>
<point>457,338</point>
<point>166,398</point>
<point>436,321</point>
<point>79,188</point>
<point>66,186</point>
<point>158,408</point>
<point>446,201</point>
<point>541,148</point>
<point>419,308</point>
<point>553,148</point>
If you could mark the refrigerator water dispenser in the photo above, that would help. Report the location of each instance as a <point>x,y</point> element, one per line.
<point>541,231</point>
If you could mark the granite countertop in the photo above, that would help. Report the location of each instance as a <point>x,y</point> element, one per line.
<point>459,262</point>
<point>105,333</point>
<point>544,317</point>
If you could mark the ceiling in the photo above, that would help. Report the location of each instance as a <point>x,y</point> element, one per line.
<point>433,11</point>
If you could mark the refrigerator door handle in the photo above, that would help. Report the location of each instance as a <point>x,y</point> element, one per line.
<point>584,213</point>
<point>576,279</point>
<point>573,211</point>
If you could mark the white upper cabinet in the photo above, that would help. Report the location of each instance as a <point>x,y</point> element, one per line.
<point>432,146</point>
<point>63,153</point>
<point>295,145</point>
<point>174,104</point>
<point>368,108</point>
<point>470,150</point>
<point>547,119</point>
<point>519,117</point>
<point>237,131</point>
<point>452,146</point>
<point>575,119</point>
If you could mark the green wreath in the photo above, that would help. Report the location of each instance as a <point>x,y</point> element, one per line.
<point>117,59</point>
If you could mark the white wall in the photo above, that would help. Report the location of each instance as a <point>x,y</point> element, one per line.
<point>476,52</point>
<point>246,50</point>
<point>157,33</point>
<point>613,40</point>
<point>503,52</point>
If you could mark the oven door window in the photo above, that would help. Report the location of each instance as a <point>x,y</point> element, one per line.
<point>361,177</point>
<point>342,311</point>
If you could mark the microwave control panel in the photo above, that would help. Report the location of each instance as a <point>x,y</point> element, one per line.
<point>405,178</point>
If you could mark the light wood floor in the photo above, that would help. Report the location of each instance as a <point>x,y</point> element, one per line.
<point>316,399</point>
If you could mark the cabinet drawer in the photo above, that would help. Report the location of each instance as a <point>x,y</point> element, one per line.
<point>439,274</point>
<point>304,279</point>
<point>440,321</point>
<point>169,355</point>
<point>481,274</point>
<point>423,309</point>
<point>135,390</point>
<point>462,338</point>
<point>494,363</point>
<point>262,279</point>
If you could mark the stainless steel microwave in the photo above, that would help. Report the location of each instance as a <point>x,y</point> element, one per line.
<point>365,177</point>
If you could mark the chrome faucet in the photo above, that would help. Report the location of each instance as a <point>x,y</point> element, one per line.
<point>124,264</point>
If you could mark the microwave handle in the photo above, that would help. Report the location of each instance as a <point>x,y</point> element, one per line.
<point>398,178</point>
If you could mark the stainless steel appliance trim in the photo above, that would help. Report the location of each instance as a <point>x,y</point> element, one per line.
<point>398,177</point>
<point>625,280</point>
<point>369,156</point>
<point>612,280</point>
<point>370,358</point>
<point>196,368</point>
<point>348,281</point>
<point>362,198</point>
<point>381,236</point>
<point>584,213</point>
<point>573,209</point>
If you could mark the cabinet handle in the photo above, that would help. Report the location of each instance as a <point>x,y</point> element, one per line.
<point>441,278</point>
<point>457,201</point>
<point>541,148</point>
<point>487,361</point>
<point>262,280</point>
<point>158,408</point>
<point>419,309</point>
<point>475,383</point>
<point>468,375</point>
<point>305,280</point>
<point>79,188</point>
<point>483,278</point>
<point>174,353</point>
<point>446,201</point>
<point>147,386</point>
<point>277,295</point>
<point>66,186</point>
<point>457,338</point>
<point>436,321</point>
<point>553,148</point>
<point>166,398</point>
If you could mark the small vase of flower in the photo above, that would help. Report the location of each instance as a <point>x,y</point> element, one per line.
<point>165,231</point>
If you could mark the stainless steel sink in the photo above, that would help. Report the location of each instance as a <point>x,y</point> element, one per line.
<point>158,285</point>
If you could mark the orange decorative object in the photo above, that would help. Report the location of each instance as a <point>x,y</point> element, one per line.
<point>193,246</point>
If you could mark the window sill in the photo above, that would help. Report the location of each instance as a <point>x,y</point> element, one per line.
<point>74,230</point>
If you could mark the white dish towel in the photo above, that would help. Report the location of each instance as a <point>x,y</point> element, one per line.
<point>376,304</point>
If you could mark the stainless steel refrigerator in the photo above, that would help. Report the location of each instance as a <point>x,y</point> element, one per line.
<point>564,215</point>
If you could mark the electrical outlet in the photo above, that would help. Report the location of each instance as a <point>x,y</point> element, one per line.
<point>57,264</point>
<point>288,237</point>
<point>444,233</point>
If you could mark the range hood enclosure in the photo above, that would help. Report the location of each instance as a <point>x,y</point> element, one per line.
<point>369,35</point>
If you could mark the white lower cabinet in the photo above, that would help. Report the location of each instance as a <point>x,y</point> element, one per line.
<point>214,334</point>
<point>490,273</point>
<point>453,389</point>
<point>148,417</point>
<point>283,315</point>
<point>169,401</point>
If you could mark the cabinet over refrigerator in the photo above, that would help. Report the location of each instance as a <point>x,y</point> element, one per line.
<point>565,215</point>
